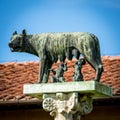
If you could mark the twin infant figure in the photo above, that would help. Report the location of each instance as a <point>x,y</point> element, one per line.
<point>58,74</point>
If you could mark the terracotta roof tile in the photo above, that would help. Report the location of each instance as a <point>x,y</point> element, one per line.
<point>13,75</point>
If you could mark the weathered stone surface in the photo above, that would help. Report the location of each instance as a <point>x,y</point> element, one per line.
<point>67,106</point>
<point>68,100</point>
<point>87,87</point>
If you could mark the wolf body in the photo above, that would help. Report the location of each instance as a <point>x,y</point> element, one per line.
<point>50,47</point>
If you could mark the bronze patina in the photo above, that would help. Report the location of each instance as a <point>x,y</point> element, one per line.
<point>50,47</point>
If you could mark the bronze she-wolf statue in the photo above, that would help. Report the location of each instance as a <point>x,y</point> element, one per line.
<point>50,47</point>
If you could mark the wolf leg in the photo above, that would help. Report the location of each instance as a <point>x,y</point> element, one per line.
<point>44,70</point>
<point>47,67</point>
<point>41,69</point>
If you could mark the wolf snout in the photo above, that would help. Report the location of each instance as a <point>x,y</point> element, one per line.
<point>10,44</point>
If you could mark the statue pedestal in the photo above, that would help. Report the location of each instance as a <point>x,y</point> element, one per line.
<point>68,100</point>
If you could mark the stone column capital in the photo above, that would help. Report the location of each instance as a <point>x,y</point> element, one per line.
<point>62,105</point>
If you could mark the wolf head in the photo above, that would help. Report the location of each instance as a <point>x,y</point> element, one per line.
<point>17,42</point>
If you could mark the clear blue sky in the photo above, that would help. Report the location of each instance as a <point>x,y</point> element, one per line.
<point>101,17</point>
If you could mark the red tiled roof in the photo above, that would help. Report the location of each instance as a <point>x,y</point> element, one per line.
<point>13,75</point>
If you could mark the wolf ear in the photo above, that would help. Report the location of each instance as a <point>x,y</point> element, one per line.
<point>24,32</point>
<point>15,33</point>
